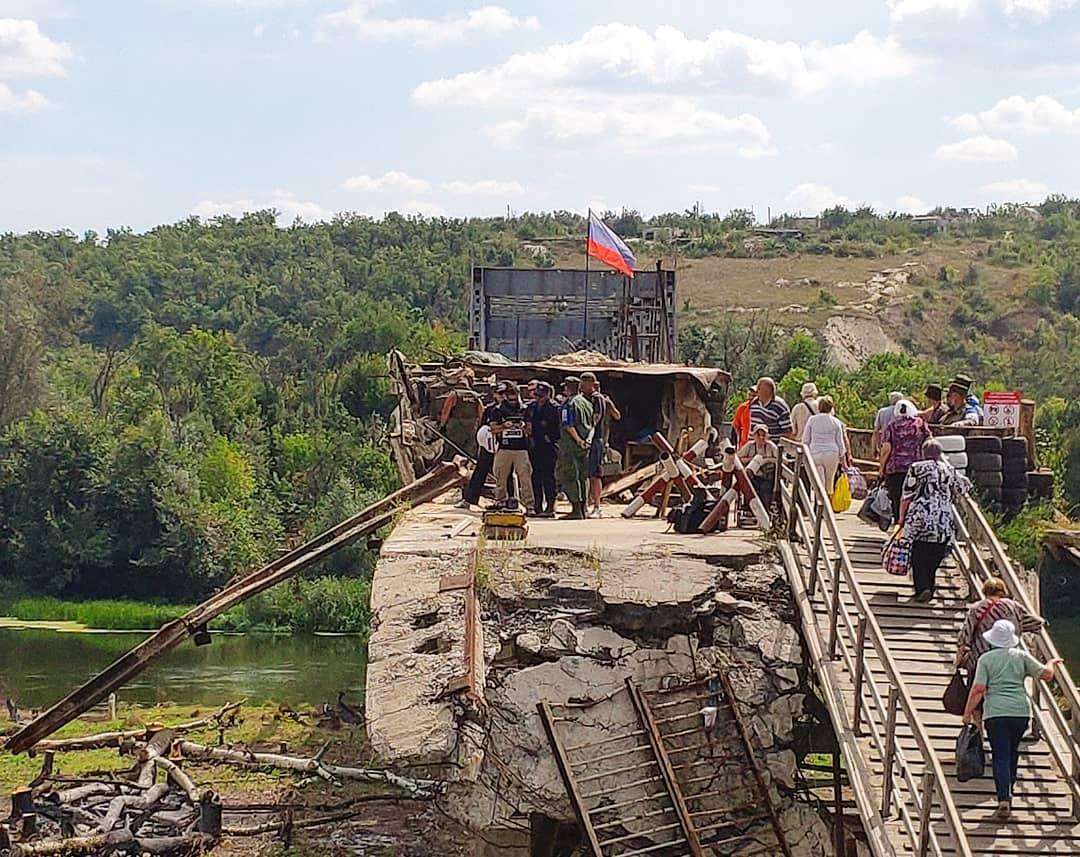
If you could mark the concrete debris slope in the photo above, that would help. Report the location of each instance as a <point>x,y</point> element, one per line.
<point>568,615</point>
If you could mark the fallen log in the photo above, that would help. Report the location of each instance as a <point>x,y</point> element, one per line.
<point>314,765</point>
<point>108,740</point>
<point>147,800</point>
<point>115,840</point>
<point>182,780</point>
<point>441,479</point>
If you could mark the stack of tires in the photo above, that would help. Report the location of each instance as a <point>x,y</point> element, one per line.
<point>984,470</point>
<point>1014,474</point>
<point>955,448</point>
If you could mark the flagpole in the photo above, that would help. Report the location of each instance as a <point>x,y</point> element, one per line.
<point>585,321</point>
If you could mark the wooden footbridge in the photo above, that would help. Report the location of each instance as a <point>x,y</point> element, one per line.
<point>882,662</point>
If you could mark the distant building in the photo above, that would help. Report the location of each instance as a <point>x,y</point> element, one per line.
<point>664,234</point>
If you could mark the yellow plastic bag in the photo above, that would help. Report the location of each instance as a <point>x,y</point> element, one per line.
<point>841,497</point>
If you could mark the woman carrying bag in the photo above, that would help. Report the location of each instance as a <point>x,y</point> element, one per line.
<point>926,515</point>
<point>1000,681</point>
<point>971,644</point>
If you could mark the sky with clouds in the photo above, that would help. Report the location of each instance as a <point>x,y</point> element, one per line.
<point>126,113</point>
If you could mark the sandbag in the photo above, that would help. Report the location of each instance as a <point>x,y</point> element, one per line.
<point>954,699</point>
<point>857,483</point>
<point>841,495</point>
<point>970,755</point>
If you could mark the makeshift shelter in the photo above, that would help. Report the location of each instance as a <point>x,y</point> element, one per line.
<point>439,403</point>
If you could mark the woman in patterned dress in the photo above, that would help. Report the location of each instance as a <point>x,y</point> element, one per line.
<point>926,515</point>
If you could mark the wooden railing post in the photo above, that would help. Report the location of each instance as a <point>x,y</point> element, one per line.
<point>815,553</point>
<point>1075,726</point>
<point>860,665</point>
<point>924,816</point>
<point>793,512</point>
<point>890,753</point>
<point>834,611</point>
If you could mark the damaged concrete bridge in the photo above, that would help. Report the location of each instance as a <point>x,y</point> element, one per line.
<point>610,688</point>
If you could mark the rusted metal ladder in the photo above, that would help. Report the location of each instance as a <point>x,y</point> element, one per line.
<point>713,765</point>
<point>623,788</point>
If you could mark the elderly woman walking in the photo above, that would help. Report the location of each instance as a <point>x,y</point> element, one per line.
<point>999,685</point>
<point>981,616</point>
<point>825,437</point>
<point>926,515</point>
<point>901,444</point>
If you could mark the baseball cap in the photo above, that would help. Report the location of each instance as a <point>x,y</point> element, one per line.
<point>760,427</point>
<point>588,376</point>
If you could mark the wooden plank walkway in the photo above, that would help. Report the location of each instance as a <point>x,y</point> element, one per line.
<point>907,655</point>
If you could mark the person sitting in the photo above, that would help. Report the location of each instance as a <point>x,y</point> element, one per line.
<point>964,407</point>
<point>935,407</point>
<point>1000,677</point>
<point>824,436</point>
<point>994,605</point>
<point>882,418</point>
<point>761,446</point>
<point>805,408</point>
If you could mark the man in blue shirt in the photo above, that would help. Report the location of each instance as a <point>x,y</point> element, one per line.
<point>544,417</point>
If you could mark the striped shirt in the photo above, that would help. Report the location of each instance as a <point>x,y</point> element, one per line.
<point>981,617</point>
<point>776,416</point>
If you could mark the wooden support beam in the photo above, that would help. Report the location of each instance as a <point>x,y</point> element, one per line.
<point>444,477</point>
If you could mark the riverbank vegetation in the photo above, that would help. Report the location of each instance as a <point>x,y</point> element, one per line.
<point>177,406</point>
<point>315,605</point>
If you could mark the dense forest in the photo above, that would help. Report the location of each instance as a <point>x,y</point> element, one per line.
<point>177,405</point>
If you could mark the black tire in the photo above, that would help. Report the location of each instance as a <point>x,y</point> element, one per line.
<point>984,462</point>
<point>1014,481</point>
<point>1041,485</point>
<point>984,443</point>
<point>986,479</point>
<point>1014,447</point>
<point>1014,465</point>
<point>1013,498</point>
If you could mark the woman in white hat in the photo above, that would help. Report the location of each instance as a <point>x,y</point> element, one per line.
<point>999,681</point>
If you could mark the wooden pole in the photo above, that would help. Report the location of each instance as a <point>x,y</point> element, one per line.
<point>441,479</point>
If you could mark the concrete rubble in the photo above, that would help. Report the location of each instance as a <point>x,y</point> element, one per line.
<point>567,617</point>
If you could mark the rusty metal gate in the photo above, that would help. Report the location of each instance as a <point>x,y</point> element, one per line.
<point>529,314</point>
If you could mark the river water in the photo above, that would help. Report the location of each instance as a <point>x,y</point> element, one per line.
<point>38,667</point>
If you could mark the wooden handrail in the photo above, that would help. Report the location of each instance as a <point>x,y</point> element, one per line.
<point>934,774</point>
<point>980,536</point>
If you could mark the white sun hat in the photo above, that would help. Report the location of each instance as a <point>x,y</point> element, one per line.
<point>1002,635</point>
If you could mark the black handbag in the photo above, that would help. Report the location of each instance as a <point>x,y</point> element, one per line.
<point>970,755</point>
<point>955,697</point>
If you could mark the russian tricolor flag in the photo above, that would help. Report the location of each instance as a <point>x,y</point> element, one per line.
<point>605,245</point>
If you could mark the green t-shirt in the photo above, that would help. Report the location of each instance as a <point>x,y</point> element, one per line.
<point>578,412</point>
<point>1003,672</point>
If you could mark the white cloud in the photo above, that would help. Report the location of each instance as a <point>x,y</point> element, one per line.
<point>621,53</point>
<point>394,180</point>
<point>634,124</point>
<point>705,188</point>
<point>26,102</point>
<point>907,204</point>
<point>25,51</point>
<point>487,20</point>
<point>1017,190</point>
<point>811,199</point>
<point>1037,9</point>
<point>288,205</point>
<point>1039,115</point>
<point>901,9</point>
<point>979,148</point>
<point>485,187</point>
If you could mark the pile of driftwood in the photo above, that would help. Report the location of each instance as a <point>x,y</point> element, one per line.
<point>157,808</point>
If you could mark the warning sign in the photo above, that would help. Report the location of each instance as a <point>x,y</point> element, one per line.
<point>1003,409</point>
